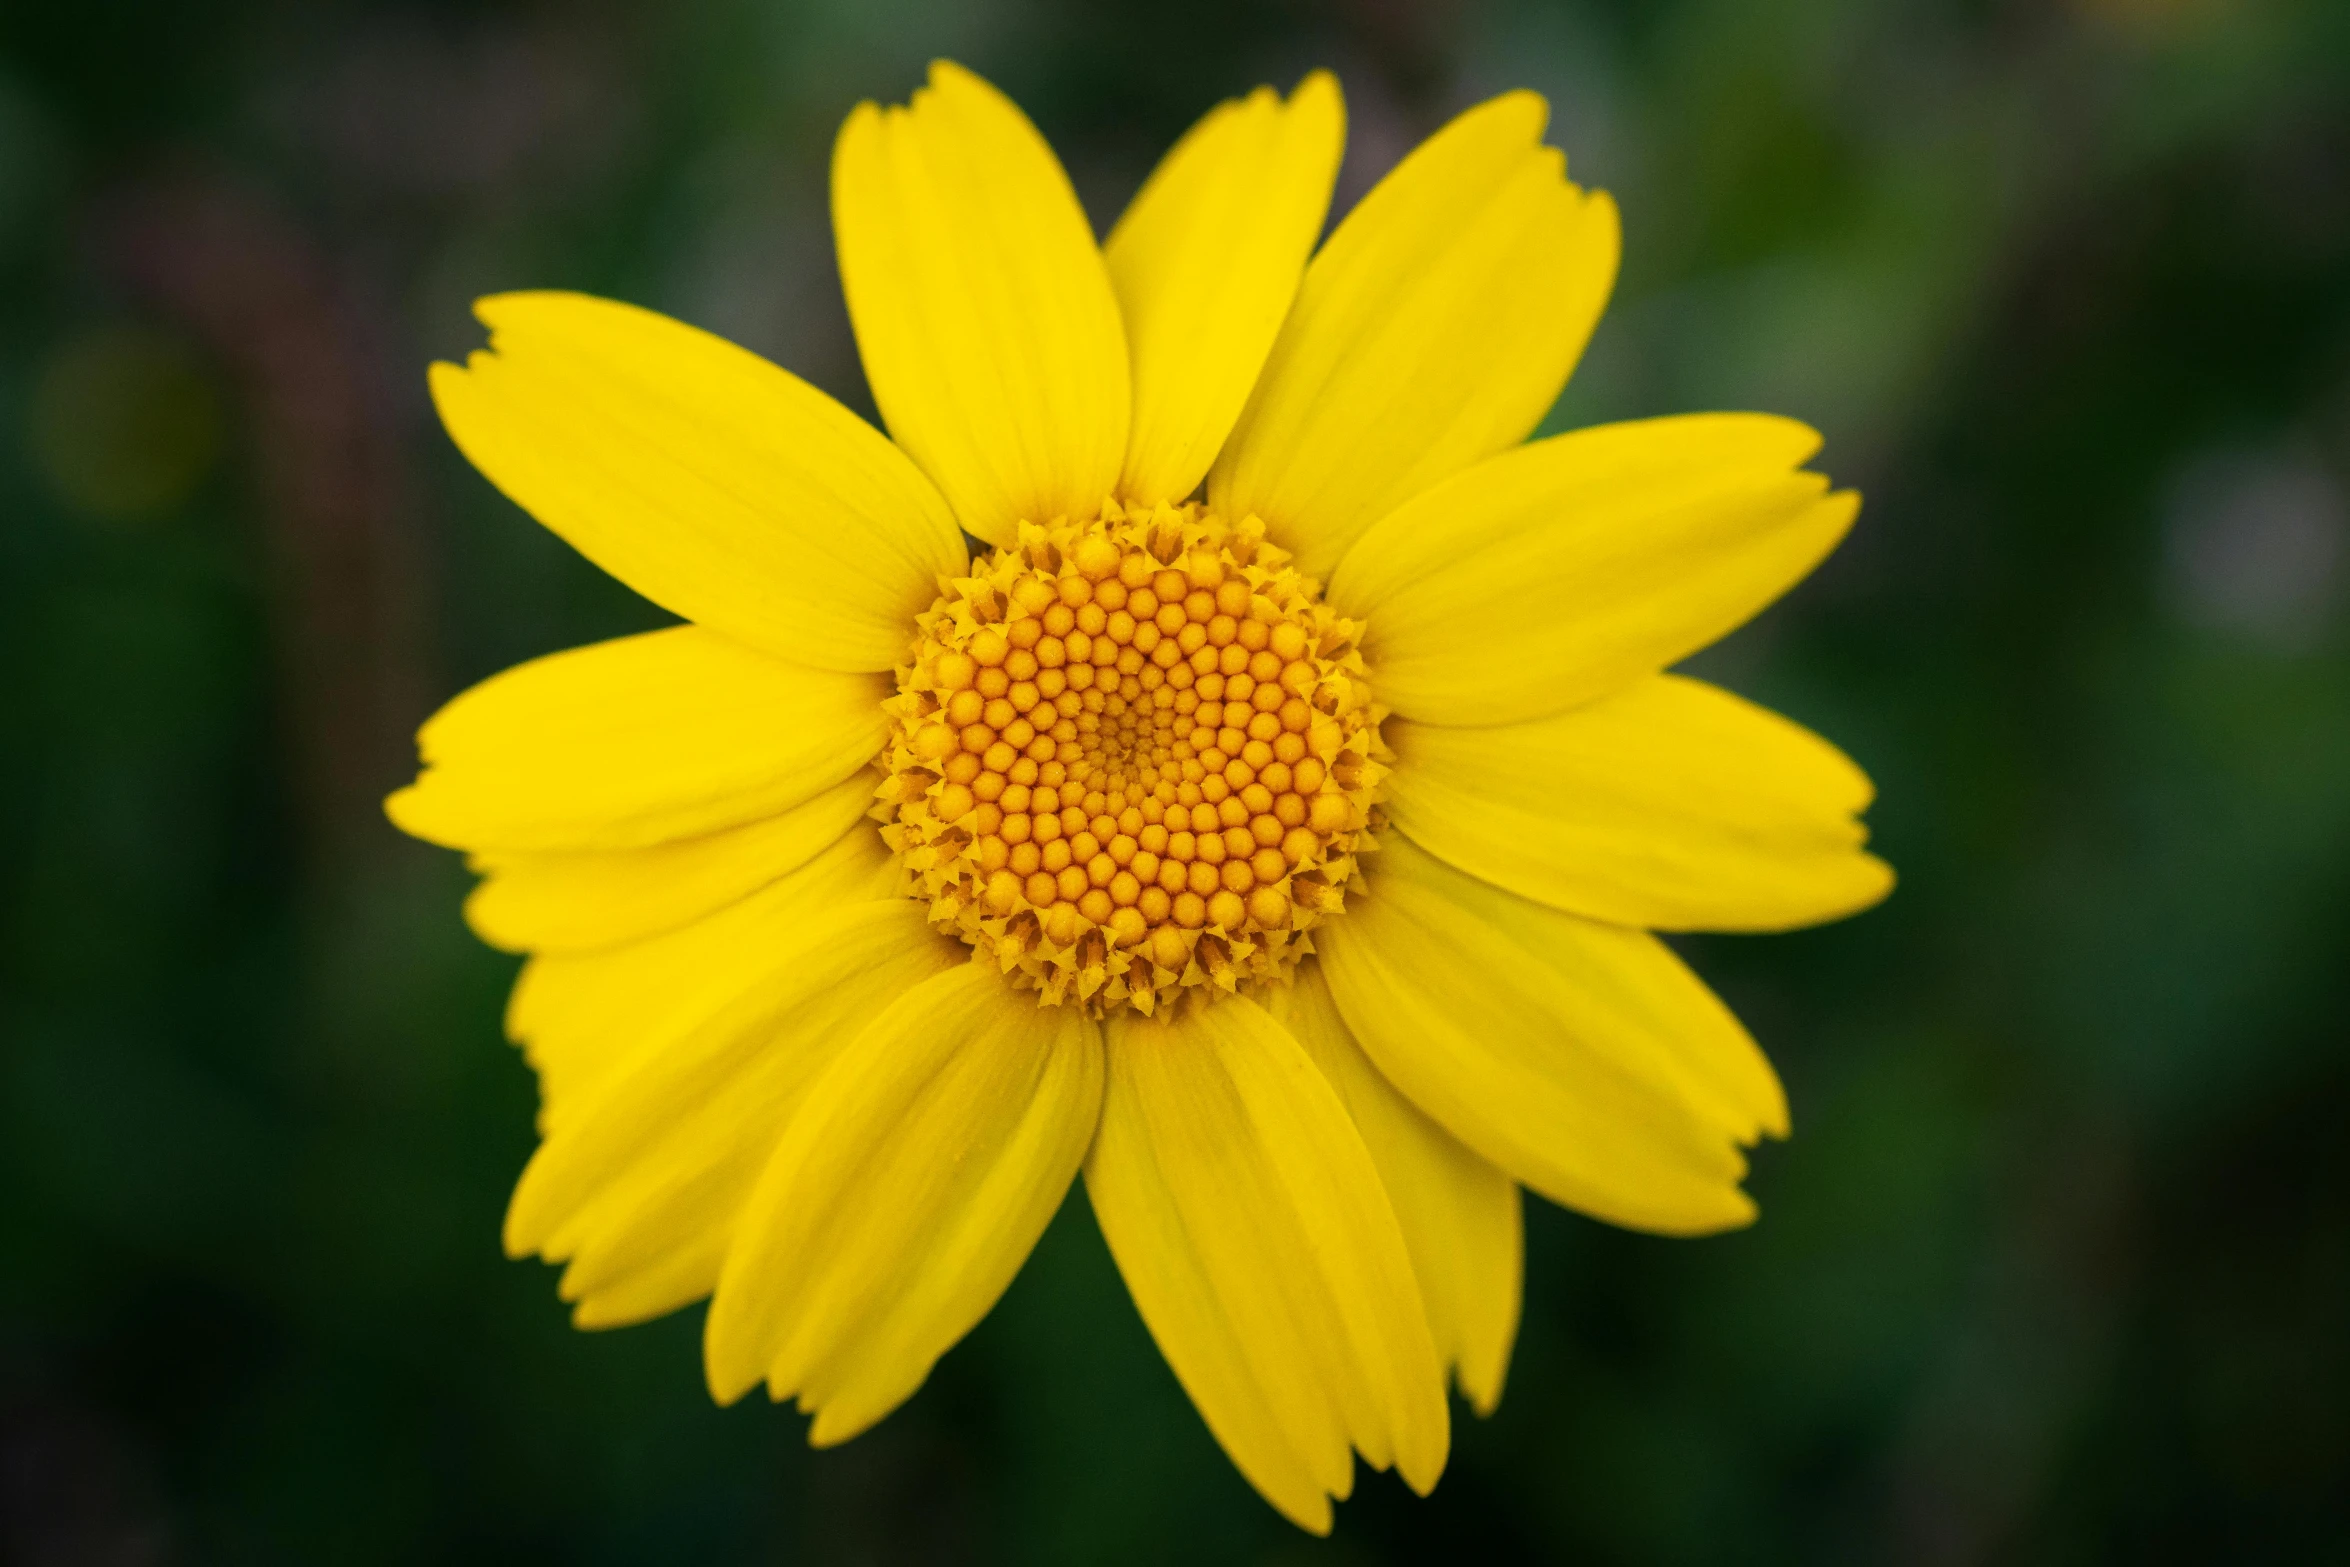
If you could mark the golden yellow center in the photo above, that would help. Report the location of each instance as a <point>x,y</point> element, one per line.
<point>1132,758</point>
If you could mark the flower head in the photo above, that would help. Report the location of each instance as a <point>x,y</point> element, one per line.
<point>1268,818</point>
<point>1134,758</point>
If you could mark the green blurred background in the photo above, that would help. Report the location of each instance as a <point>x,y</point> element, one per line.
<point>2057,1266</point>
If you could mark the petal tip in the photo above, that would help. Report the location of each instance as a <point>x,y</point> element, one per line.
<point>1315,1519</point>
<point>1804,442</point>
<point>1523,105</point>
<point>518,1237</point>
<point>1600,209</point>
<point>1739,1213</point>
<point>727,1379</point>
<point>831,1428</point>
<point>1429,1450</point>
<point>1319,90</point>
<point>1887,879</point>
<point>411,811</point>
<point>952,79</point>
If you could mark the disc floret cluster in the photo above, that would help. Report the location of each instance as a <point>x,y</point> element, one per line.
<point>1133,758</point>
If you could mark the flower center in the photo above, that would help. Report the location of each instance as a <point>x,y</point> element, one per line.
<point>1133,758</point>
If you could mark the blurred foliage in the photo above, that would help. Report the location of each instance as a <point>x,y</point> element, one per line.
<point>2057,1267</point>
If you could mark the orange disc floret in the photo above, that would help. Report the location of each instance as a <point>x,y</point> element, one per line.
<point>1133,758</point>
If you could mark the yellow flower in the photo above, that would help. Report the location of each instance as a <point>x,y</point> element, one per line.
<point>1271,820</point>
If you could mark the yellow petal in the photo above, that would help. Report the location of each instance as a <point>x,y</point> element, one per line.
<point>1459,1214</point>
<point>982,309</point>
<point>1571,567</point>
<point>643,1180</point>
<point>906,1191</point>
<point>672,734</point>
<point>578,1015</point>
<point>578,902</point>
<point>1205,263</point>
<point>1260,1247</point>
<point>714,483</point>
<point>1584,1059</point>
<point>1671,804</point>
<point>1435,328</point>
